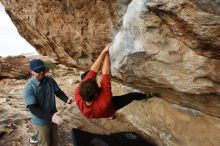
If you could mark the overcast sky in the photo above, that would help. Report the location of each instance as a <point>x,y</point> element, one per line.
<point>11,43</point>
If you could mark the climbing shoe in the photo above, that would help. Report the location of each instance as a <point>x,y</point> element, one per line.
<point>153,94</point>
<point>34,139</point>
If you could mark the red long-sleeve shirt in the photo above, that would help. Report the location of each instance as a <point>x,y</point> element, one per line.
<point>102,107</point>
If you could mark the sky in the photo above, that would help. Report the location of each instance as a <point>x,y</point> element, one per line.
<point>11,43</point>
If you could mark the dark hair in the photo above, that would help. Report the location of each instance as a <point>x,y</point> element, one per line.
<point>88,89</point>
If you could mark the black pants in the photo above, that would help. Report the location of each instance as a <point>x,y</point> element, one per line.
<point>123,100</point>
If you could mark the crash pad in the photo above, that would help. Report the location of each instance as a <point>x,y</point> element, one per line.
<point>83,138</point>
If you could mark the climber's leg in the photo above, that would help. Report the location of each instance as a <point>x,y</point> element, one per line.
<point>123,100</point>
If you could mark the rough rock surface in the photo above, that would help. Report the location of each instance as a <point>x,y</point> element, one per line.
<point>195,23</point>
<point>14,67</point>
<point>168,46</point>
<point>156,53</point>
<point>172,125</point>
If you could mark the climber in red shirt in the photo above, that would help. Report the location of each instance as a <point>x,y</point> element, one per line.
<point>97,102</point>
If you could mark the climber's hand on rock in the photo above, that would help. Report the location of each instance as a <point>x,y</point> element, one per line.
<point>106,49</point>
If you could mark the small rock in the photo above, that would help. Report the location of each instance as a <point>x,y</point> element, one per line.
<point>73,81</point>
<point>62,66</point>
<point>3,100</point>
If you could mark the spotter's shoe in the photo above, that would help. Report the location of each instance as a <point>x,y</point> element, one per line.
<point>34,139</point>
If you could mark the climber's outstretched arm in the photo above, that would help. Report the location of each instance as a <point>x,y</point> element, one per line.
<point>97,64</point>
<point>106,69</point>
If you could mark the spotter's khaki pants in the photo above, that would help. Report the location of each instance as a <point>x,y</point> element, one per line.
<point>47,135</point>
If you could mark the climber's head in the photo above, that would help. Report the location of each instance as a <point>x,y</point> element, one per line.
<point>88,89</point>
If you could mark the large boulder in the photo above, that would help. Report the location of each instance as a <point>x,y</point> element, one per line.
<point>156,52</point>
<point>70,31</point>
<point>172,125</point>
<point>14,67</point>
